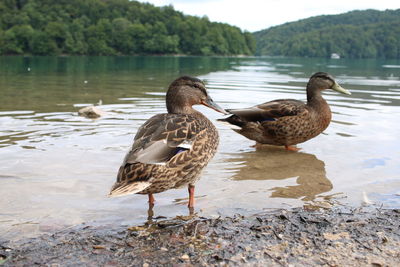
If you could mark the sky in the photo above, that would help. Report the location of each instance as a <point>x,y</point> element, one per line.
<point>255,15</point>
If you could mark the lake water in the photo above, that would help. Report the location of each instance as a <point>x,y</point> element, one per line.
<point>56,167</point>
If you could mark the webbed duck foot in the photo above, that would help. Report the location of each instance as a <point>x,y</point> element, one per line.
<point>150,213</point>
<point>191,212</point>
<point>292,148</point>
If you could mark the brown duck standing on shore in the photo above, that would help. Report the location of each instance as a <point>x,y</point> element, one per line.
<point>287,122</point>
<point>170,149</point>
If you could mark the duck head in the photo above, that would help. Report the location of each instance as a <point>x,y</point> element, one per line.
<point>187,91</point>
<point>321,81</point>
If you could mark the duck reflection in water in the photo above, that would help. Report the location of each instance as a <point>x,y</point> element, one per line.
<point>277,164</point>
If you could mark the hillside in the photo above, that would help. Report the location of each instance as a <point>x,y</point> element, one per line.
<point>112,27</point>
<point>356,34</point>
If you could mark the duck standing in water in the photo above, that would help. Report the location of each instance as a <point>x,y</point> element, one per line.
<point>287,122</point>
<point>170,149</point>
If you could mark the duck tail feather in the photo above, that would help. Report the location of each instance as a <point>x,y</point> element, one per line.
<point>234,119</point>
<point>128,189</point>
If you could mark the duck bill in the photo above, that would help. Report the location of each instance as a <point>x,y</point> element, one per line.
<point>211,104</point>
<point>340,89</point>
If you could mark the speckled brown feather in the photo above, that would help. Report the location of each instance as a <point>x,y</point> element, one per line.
<point>287,130</point>
<point>179,170</point>
<point>286,121</point>
<point>171,149</point>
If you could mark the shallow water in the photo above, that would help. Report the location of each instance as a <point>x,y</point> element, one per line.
<point>56,167</point>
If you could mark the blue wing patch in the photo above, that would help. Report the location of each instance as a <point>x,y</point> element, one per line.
<point>179,150</point>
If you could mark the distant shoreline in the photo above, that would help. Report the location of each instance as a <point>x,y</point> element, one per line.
<point>127,55</point>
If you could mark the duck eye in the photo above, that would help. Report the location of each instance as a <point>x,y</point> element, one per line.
<point>201,88</point>
<point>197,86</point>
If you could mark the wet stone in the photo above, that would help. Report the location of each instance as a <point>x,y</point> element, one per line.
<point>296,237</point>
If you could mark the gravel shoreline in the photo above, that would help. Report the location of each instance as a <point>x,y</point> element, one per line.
<point>336,237</point>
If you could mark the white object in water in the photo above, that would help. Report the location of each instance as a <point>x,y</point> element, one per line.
<point>335,56</point>
<point>366,200</point>
<point>91,112</point>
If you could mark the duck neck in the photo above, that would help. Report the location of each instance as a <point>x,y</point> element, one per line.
<point>180,109</point>
<point>317,103</point>
<point>176,105</point>
<point>314,97</point>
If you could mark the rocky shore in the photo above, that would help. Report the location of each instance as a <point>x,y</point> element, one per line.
<point>298,237</point>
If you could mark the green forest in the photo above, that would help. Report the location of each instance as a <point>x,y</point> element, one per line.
<point>112,27</point>
<point>123,27</point>
<point>356,34</point>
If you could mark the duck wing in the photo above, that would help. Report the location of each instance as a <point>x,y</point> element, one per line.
<point>271,111</point>
<point>162,137</point>
<point>157,141</point>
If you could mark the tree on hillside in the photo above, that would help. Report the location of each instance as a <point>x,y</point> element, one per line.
<point>356,34</point>
<point>112,27</point>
